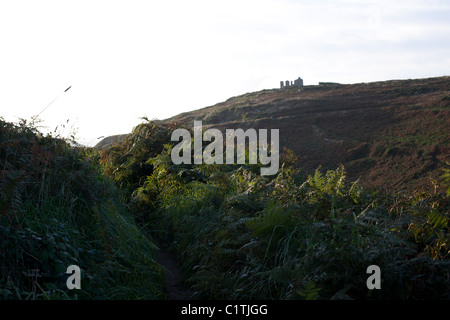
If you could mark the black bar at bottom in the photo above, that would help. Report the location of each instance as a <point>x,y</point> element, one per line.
<point>229,309</point>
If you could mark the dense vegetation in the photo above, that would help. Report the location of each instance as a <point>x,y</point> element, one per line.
<point>57,209</point>
<point>237,235</point>
<point>291,236</point>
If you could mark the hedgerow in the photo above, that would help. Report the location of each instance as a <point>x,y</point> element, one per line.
<point>57,209</point>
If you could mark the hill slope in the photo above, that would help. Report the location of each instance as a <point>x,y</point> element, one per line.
<point>390,134</point>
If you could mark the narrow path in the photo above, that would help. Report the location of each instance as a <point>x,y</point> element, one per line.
<point>174,290</point>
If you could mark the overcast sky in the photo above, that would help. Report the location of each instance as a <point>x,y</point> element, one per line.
<point>128,59</point>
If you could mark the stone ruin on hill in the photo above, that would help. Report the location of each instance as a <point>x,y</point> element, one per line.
<point>297,83</point>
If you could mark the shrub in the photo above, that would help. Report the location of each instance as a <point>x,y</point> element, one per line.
<point>56,209</point>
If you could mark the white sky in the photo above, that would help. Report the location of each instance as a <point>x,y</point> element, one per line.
<point>128,59</point>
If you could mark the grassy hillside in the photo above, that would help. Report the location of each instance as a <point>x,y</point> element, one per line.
<point>110,141</point>
<point>390,134</point>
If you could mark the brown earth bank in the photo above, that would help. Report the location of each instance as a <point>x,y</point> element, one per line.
<point>391,135</point>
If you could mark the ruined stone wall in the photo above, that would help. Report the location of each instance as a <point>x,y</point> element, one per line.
<point>296,83</point>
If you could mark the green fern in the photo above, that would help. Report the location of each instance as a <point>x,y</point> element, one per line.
<point>309,291</point>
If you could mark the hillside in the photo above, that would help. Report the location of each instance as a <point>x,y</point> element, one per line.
<point>140,227</point>
<point>389,134</point>
<point>109,141</point>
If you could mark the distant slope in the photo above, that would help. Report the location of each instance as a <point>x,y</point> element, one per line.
<point>389,134</point>
<point>109,141</point>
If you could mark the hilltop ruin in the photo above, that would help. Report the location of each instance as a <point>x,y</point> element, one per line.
<point>297,83</point>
